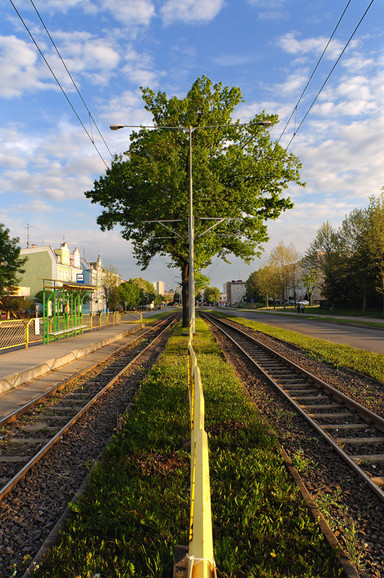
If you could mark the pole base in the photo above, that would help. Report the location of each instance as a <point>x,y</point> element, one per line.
<point>180,569</point>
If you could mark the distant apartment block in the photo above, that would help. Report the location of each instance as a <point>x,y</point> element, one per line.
<point>235,291</point>
<point>159,287</point>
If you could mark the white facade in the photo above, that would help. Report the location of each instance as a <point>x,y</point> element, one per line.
<point>235,291</point>
<point>159,287</point>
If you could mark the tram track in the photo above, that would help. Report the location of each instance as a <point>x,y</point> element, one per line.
<point>47,451</point>
<point>353,509</point>
<point>352,430</point>
<point>20,447</point>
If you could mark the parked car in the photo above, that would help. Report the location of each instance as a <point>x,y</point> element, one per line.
<point>303,302</point>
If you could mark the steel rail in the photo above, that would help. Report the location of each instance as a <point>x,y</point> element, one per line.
<point>351,404</point>
<point>33,461</point>
<point>59,386</point>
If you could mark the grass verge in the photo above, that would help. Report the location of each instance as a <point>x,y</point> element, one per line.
<point>136,506</point>
<point>341,356</point>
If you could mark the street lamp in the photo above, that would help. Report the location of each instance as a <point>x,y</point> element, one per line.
<point>191,226</point>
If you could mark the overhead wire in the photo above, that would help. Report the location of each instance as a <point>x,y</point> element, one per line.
<point>329,75</point>
<point>314,70</point>
<point>70,76</point>
<point>58,82</point>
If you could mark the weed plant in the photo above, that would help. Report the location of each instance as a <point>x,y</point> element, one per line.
<point>136,506</point>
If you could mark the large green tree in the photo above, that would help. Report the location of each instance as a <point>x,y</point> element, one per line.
<point>266,281</point>
<point>212,295</point>
<point>146,289</point>
<point>238,172</point>
<point>110,284</point>
<point>129,295</point>
<point>375,239</point>
<point>325,254</point>
<point>11,264</point>
<point>284,260</point>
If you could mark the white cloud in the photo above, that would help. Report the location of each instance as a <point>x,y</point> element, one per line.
<point>291,44</point>
<point>234,59</point>
<point>139,68</point>
<point>294,84</point>
<point>57,166</point>
<point>270,9</point>
<point>138,12</point>
<point>133,12</point>
<point>37,206</point>
<point>190,10</point>
<point>19,68</point>
<point>94,58</point>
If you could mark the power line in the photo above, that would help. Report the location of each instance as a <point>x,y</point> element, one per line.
<point>314,70</point>
<point>329,75</point>
<point>58,82</point>
<point>71,77</point>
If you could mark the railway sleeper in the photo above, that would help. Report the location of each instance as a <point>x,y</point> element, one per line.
<point>27,441</point>
<point>345,426</point>
<point>13,459</point>
<point>369,459</point>
<point>317,397</point>
<point>330,415</point>
<point>361,441</point>
<point>301,387</point>
<point>321,406</point>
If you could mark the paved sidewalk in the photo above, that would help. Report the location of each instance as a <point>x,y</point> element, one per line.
<point>22,365</point>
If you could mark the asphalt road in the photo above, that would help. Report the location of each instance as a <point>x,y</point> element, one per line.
<point>358,337</point>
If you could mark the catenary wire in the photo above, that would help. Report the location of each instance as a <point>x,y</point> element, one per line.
<point>70,76</point>
<point>329,75</point>
<point>314,70</point>
<point>58,82</point>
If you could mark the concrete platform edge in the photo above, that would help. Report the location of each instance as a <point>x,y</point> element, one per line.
<point>11,381</point>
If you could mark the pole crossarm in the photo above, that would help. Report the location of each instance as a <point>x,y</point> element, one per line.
<point>162,222</point>
<point>220,220</point>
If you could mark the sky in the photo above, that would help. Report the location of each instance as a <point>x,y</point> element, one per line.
<point>55,139</point>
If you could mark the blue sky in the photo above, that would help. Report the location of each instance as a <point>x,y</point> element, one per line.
<point>268,48</point>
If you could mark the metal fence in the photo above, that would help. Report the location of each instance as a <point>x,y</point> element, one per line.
<point>20,332</point>
<point>25,332</point>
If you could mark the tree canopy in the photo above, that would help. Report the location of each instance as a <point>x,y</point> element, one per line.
<point>239,175</point>
<point>11,264</point>
<point>212,295</point>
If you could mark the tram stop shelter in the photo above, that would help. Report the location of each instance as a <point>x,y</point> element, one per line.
<point>63,308</point>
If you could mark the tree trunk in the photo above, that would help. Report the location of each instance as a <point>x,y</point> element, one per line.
<point>185,293</point>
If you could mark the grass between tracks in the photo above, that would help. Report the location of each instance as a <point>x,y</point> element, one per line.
<point>136,507</point>
<point>341,356</point>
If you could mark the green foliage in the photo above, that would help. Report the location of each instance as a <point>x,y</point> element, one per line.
<point>15,305</point>
<point>284,263</point>
<point>350,260</point>
<point>212,295</point>
<point>265,282</point>
<point>239,175</point>
<point>110,284</point>
<point>146,290</point>
<point>11,264</point>
<point>129,295</point>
